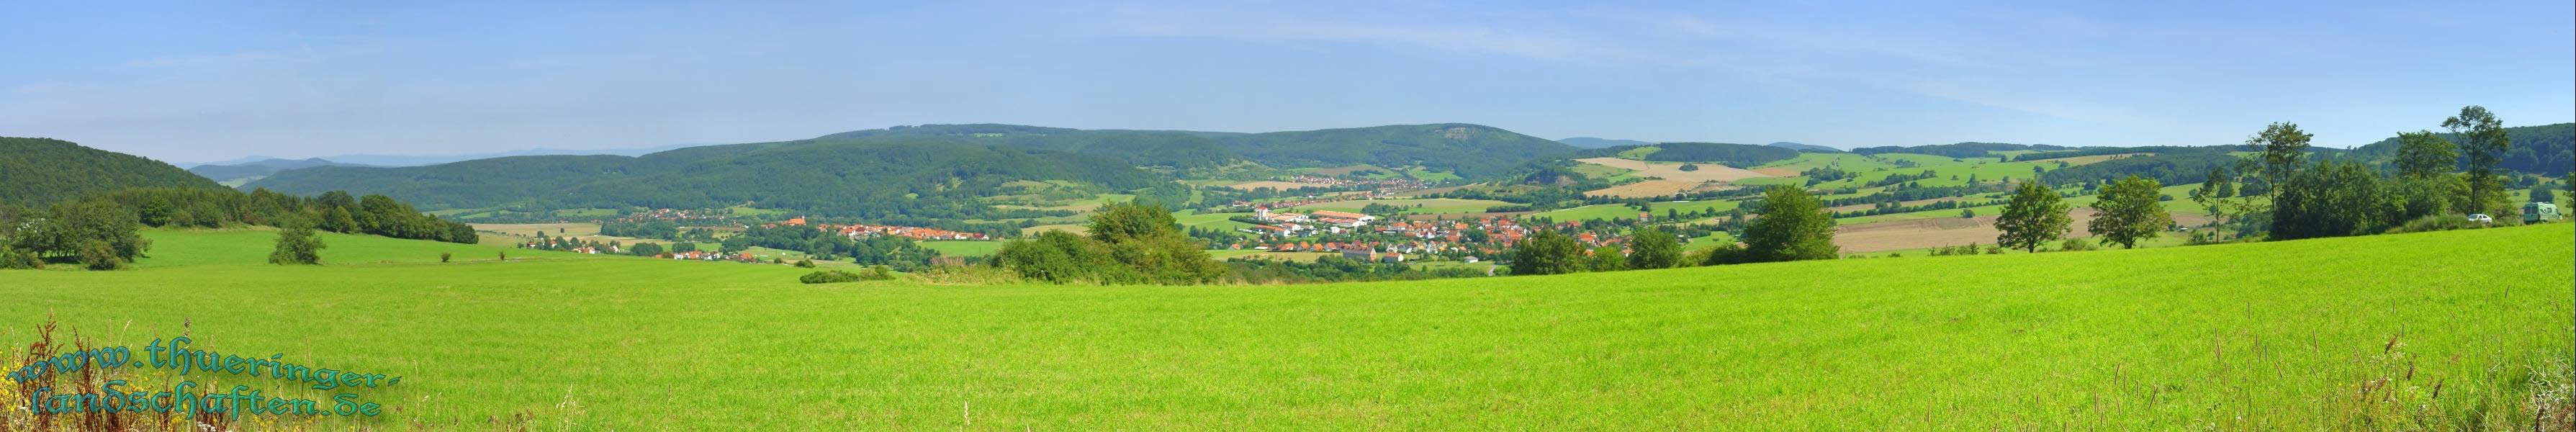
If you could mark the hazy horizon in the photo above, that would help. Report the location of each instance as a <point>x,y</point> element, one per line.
<point>298,81</point>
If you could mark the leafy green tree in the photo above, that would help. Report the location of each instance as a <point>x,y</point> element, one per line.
<point>2331,199</point>
<point>2543,195</point>
<point>2128,212</point>
<point>1653,248</point>
<point>2483,143</point>
<point>2421,154</point>
<point>2034,217</point>
<point>2279,150</point>
<point>338,220</point>
<point>1547,252</point>
<point>1690,167</point>
<point>77,222</point>
<point>645,249</point>
<point>297,245</point>
<point>1132,220</point>
<point>1793,226</point>
<point>1607,258</point>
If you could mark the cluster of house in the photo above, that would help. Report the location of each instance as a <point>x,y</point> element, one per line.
<point>1303,224</point>
<point>713,256</point>
<point>864,230</point>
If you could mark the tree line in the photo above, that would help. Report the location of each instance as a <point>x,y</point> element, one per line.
<point>99,231</point>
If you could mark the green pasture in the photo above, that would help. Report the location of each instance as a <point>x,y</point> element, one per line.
<point>2177,338</point>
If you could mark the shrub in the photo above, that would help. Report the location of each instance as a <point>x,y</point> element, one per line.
<point>19,259</point>
<point>2077,244</point>
<point>443,256</point>
<point>805,263</point>
<point>829,276</point>
<point>296,245</point>
<point>837,276</point>
<point>97,255</point>
<point>2443,222</point>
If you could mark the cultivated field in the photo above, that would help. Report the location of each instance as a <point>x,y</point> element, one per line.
<point>1648,188</point>
<point>2445,330</point>
<point>1673,170</point>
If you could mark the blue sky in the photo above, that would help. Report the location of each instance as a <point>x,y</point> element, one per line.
<point>202,83</point>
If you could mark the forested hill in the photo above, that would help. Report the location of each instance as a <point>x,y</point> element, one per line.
<point>38,171</point>
<point>1472,151</point>
<point>2547,149</point>
<point>1466,149</point>
<point>1143,148</point>
<point>248,171</point>
<point>916,176</point>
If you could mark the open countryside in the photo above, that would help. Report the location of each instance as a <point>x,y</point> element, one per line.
<point>1288,216</point>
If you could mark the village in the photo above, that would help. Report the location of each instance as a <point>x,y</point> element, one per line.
<point>1362,237</point>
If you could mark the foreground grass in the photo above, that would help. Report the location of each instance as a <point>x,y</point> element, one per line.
<point>2283,335</point>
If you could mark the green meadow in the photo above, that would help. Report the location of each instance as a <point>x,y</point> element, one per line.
<point>2434,330</point>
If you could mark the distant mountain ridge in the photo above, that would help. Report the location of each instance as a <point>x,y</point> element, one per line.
<point>1467,149</point>
<point>418,160</point>
<point>237,174</point>
<point>39,171</point>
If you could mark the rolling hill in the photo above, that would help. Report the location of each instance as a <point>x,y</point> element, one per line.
<point>1593,143</point>
<point>2547,149</point>
<point>246,172</point>
<point>865,177</point>
<point>38,171</point>
<point>1471,151</point>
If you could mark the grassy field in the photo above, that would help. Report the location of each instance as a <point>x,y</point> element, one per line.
<point>2204,337</point>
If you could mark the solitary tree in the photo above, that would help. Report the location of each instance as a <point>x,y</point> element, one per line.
<point>2280,147</point>
<point>296,245</point>
<point>2421,154</point>
<point>1653,248</point>
<point>2483,143</point>
<point>2128,212</point>
<point>1546,253</point>
<point>1793,226</point>
<point>2035,216</point>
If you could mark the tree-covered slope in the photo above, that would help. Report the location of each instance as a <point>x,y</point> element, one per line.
<point>1143,148</point>
<point>1469,150</point>
<point>248,171</point>
<point>37,171</point>
<point>856,176</point>
<point>1593,143</point>
<point>1472,151</point>
<point>2547,150</point>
